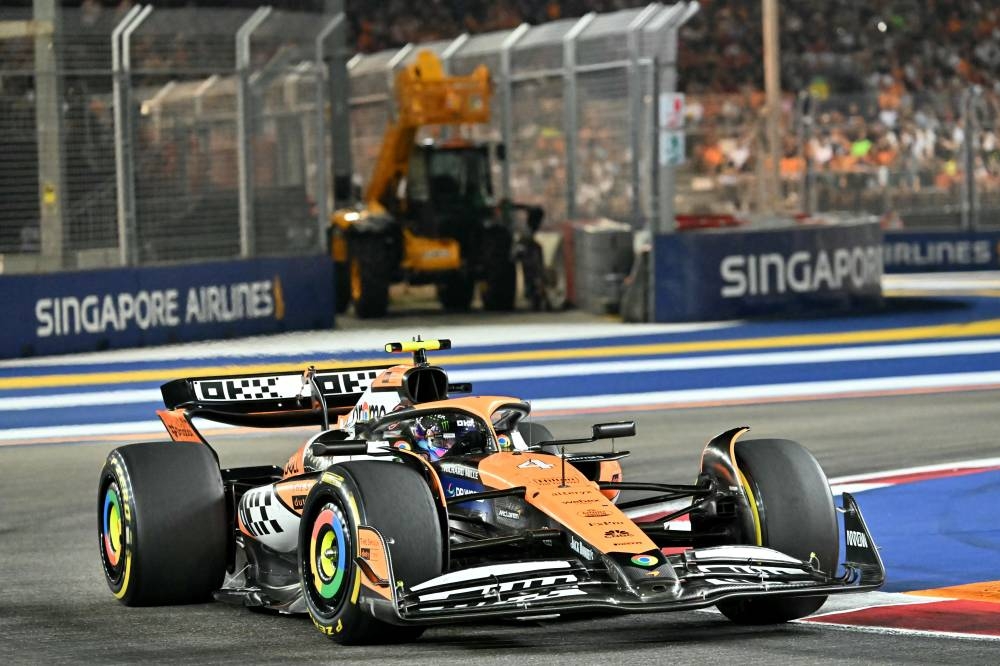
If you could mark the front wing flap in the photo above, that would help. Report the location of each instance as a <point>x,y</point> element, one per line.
<point>694,579</point>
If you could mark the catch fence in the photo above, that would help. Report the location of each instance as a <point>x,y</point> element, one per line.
<point>155,136</point>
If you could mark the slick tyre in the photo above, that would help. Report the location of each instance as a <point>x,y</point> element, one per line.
<point>795,508</point>
<point>369,277</point>
<point>161,523</point>
<point>395,500</point>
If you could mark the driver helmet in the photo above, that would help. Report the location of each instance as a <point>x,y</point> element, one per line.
<point>428,435</point>
<point>435,435</point>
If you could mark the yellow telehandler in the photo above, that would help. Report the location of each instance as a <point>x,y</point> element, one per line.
<point>428,215</point>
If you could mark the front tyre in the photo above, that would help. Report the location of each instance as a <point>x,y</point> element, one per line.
<point>161,523</point>
<point>390,497</point>
<point>796,516</point>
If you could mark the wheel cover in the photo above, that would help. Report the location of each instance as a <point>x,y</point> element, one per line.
<point>329,546</point>
<point>112,532</point>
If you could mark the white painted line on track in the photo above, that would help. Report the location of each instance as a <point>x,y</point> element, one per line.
<point>680,398</point>
<point>86,399</point>
<point>922,469</point>
<point>87,431</point>
<point>528,372</point>
<point>771,391</point>
<point>873,353</point>
<point>899,632</point>
<point>331,343</point>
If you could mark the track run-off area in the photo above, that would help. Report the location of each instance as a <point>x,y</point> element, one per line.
<point>901,407</point>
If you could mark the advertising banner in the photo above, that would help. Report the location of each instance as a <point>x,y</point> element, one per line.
<point>932,251</point>
<point>132,307</point>
<point>711,275</point>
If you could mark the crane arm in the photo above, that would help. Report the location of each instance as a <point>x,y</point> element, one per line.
<point>426,96</point>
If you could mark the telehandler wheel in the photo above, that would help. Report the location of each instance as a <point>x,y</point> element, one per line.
<point>369,277</point>
<point>341,286</point>
<point>455,291</point>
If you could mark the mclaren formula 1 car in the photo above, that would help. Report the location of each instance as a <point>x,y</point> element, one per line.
<point>419,504</point>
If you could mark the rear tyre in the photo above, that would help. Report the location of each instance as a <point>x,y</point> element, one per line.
<point>369,277</point>
<point>161,523</point>
<point>797,517</point>
<point>455,292</point>
<point>395,500</point>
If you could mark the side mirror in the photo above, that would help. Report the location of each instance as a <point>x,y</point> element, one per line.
<point>334,443</point>
<point>613,430</point>
<point>346,447</point>
<point>501,152</point>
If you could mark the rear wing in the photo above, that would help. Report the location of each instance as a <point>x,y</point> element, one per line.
<point>275,399</point>
<point>283,399</point>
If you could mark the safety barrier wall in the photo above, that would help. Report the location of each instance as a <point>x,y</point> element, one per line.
<point>131,307</point>
<point>768,272</point>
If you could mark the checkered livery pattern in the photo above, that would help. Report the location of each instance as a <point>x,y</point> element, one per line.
<point>255,388</point>
<point>254,513</point>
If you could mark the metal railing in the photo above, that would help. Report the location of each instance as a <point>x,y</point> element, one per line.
<point>153,136</point>
<point>170,135</point>
<point>574,105</point>
<point>928,161</point>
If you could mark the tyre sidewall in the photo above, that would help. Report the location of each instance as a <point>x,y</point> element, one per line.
<point>796,509</point>
<point>120,575</point>
<point>796,517</point>
<point>342,620</point>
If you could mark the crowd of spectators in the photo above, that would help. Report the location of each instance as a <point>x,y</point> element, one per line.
<point>885,122</point>
<point>887,81</point>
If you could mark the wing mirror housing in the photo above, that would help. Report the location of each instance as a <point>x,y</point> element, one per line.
<point>614,430</point>
<point>333,443</point>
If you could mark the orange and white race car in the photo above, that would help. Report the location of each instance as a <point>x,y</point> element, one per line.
<point>412,507</point>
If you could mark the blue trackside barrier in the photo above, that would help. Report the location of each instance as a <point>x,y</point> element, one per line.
<point>932,251</point>
<point>803,270</point>
<point>131,307</point>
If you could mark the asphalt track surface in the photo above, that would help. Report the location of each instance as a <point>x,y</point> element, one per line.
<point>55,606</point>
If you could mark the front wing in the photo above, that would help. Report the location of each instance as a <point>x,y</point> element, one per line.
<point>694,579</point>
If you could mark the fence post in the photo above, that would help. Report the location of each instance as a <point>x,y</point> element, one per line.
<point>390,74</point>
<point>970,120</point>
<point>450,51</point>
<point>805,135</point>
<point>244,129</point>
<point>570,107</point>
<point>49,121</point>
<point>322,166</point>
<point>633,33</point>
<point>506,104</point>
<point>121,65</point>
<point>668,21</point>
<point>446,56</point>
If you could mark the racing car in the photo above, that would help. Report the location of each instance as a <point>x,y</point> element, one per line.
<point>418,503</point>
